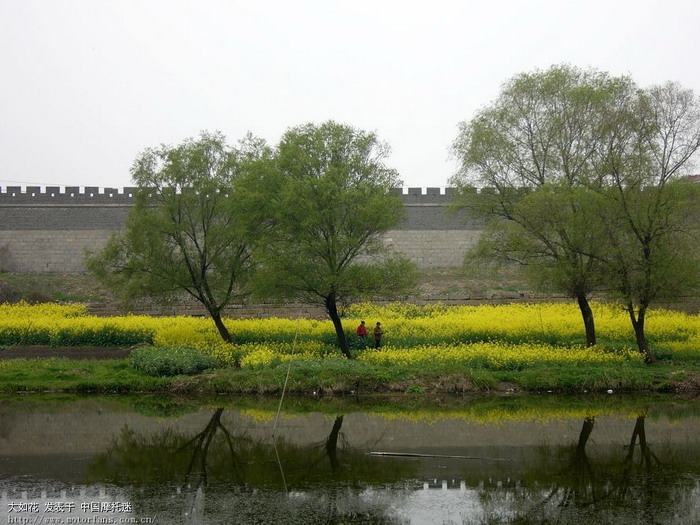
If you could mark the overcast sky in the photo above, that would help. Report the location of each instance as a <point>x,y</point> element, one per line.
<point>88,84</point>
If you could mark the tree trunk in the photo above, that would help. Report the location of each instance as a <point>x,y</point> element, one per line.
<point>220,326</point>
<point>332,443</point>
<point>579,461</point>
<point>332,310</point>
<point>588,321</point>
<point>583,436</point>
<point>646,454</point>
<point>633,440</point>
<point>638,325</point>
<point>202,441</point>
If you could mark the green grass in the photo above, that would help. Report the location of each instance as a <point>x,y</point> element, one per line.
<point>160,362</point>
<point>84,375</point>
<point>337,376</point>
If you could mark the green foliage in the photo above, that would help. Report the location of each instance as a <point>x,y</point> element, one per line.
<point>97,335</point>
<point>75,375</point>
<point>651,217</point>
<point>664,354</point>
<point>326,206</point>
<point>339,376</point>
<point>186,232</point>
<point>24,336</point>
<point>654,238</point>
<point>545,126</point>
<point>581,170</point>
<point>105,335</point>
<point>537,147</point>
<point>166,362</point>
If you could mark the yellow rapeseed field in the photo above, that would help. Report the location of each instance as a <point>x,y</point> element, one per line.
<point>499,337</point>
<point>522,322</point>
<point>498,356</point>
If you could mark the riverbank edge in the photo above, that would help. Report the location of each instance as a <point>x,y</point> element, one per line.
<point>109,376</point>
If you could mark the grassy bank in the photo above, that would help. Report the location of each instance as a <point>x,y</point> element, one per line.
<point>337,377</point>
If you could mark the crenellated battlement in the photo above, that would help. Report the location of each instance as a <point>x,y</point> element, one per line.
<point>66,195</point>
<point>97,195</point>
<point>69,195</point>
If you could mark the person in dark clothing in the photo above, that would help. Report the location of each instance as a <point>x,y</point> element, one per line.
<point>378,333</point>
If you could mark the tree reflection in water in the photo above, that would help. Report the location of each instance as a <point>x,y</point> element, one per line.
<point>223,475</point>
<point>200,445</point>
<point>218,458</point>
<point>332,443</point>
<point>610,487</point>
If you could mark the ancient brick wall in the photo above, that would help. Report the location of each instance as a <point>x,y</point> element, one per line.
<point>49,230</point>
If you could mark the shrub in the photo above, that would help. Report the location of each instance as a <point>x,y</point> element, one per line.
<point>158,361</point>
<point>8,294</point>
<point>663,354</point>
<point>36,297</point>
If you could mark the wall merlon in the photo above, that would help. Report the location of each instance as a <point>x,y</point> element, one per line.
<point>450,192</point>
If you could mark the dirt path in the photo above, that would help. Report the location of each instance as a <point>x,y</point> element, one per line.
<point>72,352</point>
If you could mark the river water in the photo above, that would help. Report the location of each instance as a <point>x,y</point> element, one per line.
<point>409,460</point>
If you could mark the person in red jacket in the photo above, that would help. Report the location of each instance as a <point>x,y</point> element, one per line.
<point>362,335</point>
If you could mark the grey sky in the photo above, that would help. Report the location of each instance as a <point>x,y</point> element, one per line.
<point>87,84</point>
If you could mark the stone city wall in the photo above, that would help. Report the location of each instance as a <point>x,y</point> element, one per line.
<point>49,230</point>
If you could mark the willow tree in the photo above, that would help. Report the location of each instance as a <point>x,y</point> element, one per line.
<point>652,215</point>
<point>585,171</point>
<point>324,209</point>
<point>536,147</point>
<point>186,232</point>
<point>558,241</point>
